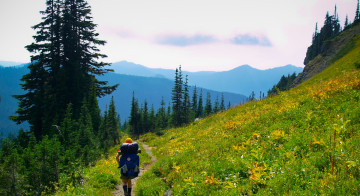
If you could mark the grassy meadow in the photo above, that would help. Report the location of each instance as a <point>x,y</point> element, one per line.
<point>304,141</point>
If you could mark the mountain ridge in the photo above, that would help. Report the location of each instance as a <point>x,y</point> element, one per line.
<point>241,80</point>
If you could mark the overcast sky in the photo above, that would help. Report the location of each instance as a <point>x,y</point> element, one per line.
<point>197,34</point>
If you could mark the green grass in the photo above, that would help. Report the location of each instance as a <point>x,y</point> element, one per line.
<point>302,142</point>
<point>102,178</point>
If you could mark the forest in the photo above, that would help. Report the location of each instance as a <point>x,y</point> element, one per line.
<point>67,130</point>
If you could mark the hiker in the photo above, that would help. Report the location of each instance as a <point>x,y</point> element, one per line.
<point>128,163</point>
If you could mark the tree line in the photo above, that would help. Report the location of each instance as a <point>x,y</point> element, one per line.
<point>67,130</point>
<point>320,41</point>
<point>283,85</point>
<point>182,110</point>
<point>330,29</point>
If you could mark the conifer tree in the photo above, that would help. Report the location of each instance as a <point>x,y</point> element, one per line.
<point>336,23</point>
<point>194,104</point>
<point>252,96</point>
<point>152,119</point>
<point>48,157</point>
<point>186,103</point>
<point>113,123</point>
<point>31,167</point>
<point>63,67</point>
<point>103,132</point>
<point>347,22</point>
<point>145,118</point>
<point>10,180</point>
<point>161,116</point>
<point>67,129</point>
<point>222,104</point>
<point>200,109</point>
<point>85,135</point>
<point>168,114</point>
<point>177,96</point>
<point>208,108</point>
<point>134,116</point>
<point>216,105</point>
<point>94,109</point>
<point>31,103</point>
<point>357,13</point>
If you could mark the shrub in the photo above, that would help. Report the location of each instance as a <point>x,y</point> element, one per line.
<point>357,65</point>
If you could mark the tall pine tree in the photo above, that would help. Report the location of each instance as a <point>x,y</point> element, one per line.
<point>222,104</point>
<point>63,67</point>
<point>208,106</point>
<point>194,104</point>
<point>186,103</point>
<point>200,109</point>
<point>177,99</point>
<point>161,116</point>
<point>113,123</point>
<point>357,13</point>
<point>134,120</point>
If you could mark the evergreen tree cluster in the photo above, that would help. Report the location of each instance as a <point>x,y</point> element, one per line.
<point>330,29</point>
<point>186,109</point>
<point>31,167</point>
<point>63,67</point>
<point>283,85</point>
<point>183,109</point>
<point>142,120</point>
<point>67,130</point>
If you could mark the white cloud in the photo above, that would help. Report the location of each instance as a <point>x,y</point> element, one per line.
<point>183,40</point>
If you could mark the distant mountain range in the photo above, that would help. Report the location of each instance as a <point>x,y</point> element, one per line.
<point>241,80</point>
<point>10,63</point>
<point>150,84</point>
<point>150,88</point>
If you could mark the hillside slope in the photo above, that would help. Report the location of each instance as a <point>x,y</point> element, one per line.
<point>335,49</point>
<point>302,142</point>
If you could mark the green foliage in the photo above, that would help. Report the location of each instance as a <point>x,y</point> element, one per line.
<point>67,131</point>
<point>208,106</point>
<point>283,85</point>
<point>330,29</point>
<point>357,13</point>
<point>177,99</point>
<point>63,67</point>
<point>184,109</point>
<point>357,65</point>
<point>301,142</point>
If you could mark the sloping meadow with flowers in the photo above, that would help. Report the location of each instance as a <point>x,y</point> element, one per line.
<point>302,141</point>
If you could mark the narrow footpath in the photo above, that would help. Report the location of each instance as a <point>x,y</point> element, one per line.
<point>119,191</point>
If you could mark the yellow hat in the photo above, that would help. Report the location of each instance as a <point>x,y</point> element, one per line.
<point>128,140</point>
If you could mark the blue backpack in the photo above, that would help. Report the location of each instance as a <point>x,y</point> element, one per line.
<point>129,164</point>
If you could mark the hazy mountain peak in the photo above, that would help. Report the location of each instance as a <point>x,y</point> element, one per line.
<point>10,63</point>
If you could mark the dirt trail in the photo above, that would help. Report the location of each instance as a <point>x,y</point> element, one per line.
<point>119,190</point>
